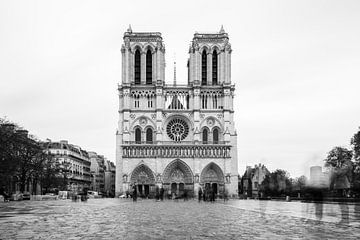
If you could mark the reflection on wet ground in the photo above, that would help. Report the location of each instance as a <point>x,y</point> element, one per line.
<point>148,219</point>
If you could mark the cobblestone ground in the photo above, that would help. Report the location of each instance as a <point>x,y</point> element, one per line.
<point>147,219</point>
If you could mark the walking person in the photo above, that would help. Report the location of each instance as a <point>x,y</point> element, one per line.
<point>213,195</point>
<point>157,193</point>
<point>134,195</point>
<point>162,194</point>
<point>200,194</point>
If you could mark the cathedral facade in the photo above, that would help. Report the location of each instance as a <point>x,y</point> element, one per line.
<point>179,137</point>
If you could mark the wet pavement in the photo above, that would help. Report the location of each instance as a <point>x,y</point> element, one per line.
<point>147,219</point>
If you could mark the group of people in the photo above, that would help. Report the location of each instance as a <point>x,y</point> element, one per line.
<point>159,193</point>
<point>209,194</point>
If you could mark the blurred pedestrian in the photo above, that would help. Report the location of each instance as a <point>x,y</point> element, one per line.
<point>200,194</point>
<point>162,194</point>
<point>134,194</point>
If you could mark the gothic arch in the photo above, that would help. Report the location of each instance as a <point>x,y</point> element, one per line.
<point>212,173</point>
<point>142,174</point>
<point>137,122</point>
<point>137,46</point>
<point>216,130</point>
<point>178,115</point>
<point>149,46</point>
<point>215,123</point>
<point>204,47</point>
<point>215,48</point>
<point>178,171</point>
<point>205,136</point>
<point>149,133</point>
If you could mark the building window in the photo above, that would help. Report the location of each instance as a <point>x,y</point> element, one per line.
<point>150,102</point>
<point>137,135</point>
<point>216,135</point>
<point>148,67</point>
<point>137,67</point>
<point>215,102</point>
<point>177,129</point>
<point>149,135</point>
<point>204,100</point>
<point>215,68</point>
<point>205,136</point>
<point>203,68</point>
<point>137,101</point>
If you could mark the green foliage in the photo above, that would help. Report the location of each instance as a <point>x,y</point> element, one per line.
<point>355,143</point>
<point>338,157</point>
<point>338,161</point>
<point>276,183</point>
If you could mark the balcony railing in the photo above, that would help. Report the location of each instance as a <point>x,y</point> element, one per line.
<point>180,150</point>
<point>177,143</point>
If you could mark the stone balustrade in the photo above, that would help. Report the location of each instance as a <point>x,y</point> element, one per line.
<point>176,151</point>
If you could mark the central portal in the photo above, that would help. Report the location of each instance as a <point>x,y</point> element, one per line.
<point>178,178</point>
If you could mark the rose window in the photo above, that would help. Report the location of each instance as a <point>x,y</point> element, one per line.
<point>177,129</point>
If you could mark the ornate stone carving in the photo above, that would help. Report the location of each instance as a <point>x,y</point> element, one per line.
<point>177,176</point>
<point>177,129</point>
<point>153,116</point>
<point>132,116</point>
<point>143,121</point>
<point>210,122</point>
<point>125,178</point>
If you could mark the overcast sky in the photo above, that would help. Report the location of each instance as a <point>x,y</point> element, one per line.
<point>295,64</point>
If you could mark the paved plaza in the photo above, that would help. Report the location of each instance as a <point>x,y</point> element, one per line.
<point>148,219</point>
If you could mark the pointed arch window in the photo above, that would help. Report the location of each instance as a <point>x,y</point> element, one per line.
<point>138,135</point>
<point>203,68</point>
<point>149,135</point>
<point>137,67</point>
<point>216,136</point>
<point>215,68</point>
<point>205,136</point>
<point>148,67</point>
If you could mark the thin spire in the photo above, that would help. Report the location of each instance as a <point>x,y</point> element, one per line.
<point>222,29</point>
<point>129,29</point>
<point>174,69</point>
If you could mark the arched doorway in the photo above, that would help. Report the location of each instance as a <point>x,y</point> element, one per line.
<point>178,178</point>
<point>212,177</point>
<point>144,179</point>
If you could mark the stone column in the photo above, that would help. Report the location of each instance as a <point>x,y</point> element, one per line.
<point>153,67</point>
<point>126,66</point>
<point>221,64</point>
<point>123,65</point>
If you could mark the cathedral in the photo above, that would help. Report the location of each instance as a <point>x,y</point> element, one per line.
<point>180,137</point>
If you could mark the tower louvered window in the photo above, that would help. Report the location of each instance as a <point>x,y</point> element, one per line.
<point>137,67</point>
<point>148,67</point>
<point>215,68</point>
<point>203,68</point>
